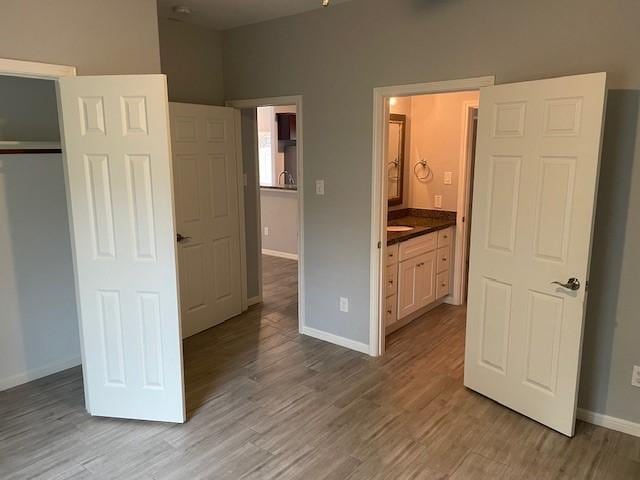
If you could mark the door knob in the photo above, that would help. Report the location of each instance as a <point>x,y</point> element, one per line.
<point>572,284</point>
<point>181,238</point>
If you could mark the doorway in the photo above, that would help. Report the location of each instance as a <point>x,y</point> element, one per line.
<point>530,244</point>
<point>39,321</point>
<point>272,151</point>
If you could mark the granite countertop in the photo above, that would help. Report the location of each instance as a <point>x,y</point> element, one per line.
<point>280,187</point>
<point>422,224</point>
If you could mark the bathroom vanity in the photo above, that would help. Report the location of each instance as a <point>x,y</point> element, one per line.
<point>418,268</point>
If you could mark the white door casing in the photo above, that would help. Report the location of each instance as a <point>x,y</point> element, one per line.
<point>119,189</point>
<point>205,162</point>
<point>536,171</point>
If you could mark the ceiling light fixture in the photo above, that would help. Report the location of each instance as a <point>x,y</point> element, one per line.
<point>182,10</point>
<point>325,3</point>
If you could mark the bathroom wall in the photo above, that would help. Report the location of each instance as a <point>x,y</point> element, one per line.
<point>437,136</point>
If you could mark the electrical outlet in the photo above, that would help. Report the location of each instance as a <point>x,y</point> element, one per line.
<point>447,178</point>
<point>319,187</point>
<point>437,201</point>
<point>344,304</point>
<point>266,231</point>
<point>635,378</point>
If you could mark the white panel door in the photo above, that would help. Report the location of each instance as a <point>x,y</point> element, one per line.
<point>536,171</point>
<point>118,167</point>
<point>206,165</point>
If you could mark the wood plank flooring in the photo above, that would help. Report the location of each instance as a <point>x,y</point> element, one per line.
<point>267,403</point>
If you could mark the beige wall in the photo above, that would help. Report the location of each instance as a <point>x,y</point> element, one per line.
<point>96,36</point>
<point>334,57</point>
<point>437,136</point>
<point>192,60</point>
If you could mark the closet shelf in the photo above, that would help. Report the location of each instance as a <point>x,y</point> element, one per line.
<point>12,147</point>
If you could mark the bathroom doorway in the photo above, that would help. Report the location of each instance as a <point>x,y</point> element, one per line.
<point>424,212</point>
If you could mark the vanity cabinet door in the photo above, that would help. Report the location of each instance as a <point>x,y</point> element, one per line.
<point>407,286</point>
<point>416,283</point>
<point>426,279</point>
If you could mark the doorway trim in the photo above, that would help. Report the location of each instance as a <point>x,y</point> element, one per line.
<point>462,210</point>
<point>46,71</point>
<point>275,102</point>
<point>379,187</point>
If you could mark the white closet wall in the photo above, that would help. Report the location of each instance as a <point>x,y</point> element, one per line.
<point>37,299</point>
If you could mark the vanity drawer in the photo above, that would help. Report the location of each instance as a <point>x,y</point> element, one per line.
<point>391,280</point>
<point>442,284</point>
<point>392,254</point>
<point>444,259</point>
<point>444,237</point>
<point>417,246</point>
<point>391,310</point>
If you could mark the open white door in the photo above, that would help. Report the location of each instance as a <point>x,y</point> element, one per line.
<point>537,160</point>
<point>206,166</point>
<point>119,187</point>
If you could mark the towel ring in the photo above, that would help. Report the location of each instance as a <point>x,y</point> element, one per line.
<point>394,164</point>
<point>422,163</point>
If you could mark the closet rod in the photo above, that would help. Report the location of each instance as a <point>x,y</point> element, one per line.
<point>14,151</point>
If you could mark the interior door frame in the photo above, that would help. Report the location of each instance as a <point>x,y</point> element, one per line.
<point>462,211</point>
<point>379,207</point>
<point>49,71</point>
<point>276,102</point>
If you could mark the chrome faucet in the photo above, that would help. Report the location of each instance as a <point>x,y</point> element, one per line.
<point>288,178</point>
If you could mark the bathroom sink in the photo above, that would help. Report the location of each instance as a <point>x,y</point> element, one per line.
<point>399,228</point>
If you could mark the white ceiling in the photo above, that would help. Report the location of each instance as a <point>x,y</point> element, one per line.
<point>225,14</point>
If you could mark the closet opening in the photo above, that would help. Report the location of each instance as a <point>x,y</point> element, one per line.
<point>40,333</point>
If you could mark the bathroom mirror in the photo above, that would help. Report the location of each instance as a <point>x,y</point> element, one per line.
<point>395,158</point>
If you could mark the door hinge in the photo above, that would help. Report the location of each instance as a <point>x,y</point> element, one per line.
<point>379,244</point>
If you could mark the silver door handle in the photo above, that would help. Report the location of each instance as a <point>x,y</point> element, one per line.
<point>572,284</point>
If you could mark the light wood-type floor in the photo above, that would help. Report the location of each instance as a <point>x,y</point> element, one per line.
<point>267,403</point>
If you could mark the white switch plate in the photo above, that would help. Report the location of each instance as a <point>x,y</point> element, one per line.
<point>319,187</point>
<point>447,178</point>
<point>266,231</point>
<point>344,304</point>
<point>437,201</point>
<point>635,379</point>
<point>245,181</point>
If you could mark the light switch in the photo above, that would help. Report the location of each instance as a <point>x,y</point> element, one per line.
<point>447,178</point>
<point>266,231</point>
<point>437,201</point>
<point>319,187</point>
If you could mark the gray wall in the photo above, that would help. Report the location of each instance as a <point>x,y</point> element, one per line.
<point>37,300</point>
<point>334,57</point>
<point>96,36</point>
<point>192,60</point>
<point>28,110</point>
<point>249,127</point>
<point>279,212</point>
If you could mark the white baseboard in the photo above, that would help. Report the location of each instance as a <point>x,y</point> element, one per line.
<point>335,339</point>
<point>34,374</point>
<point>612,423</point>
<point>254,300</point>
<point>276,253</point>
